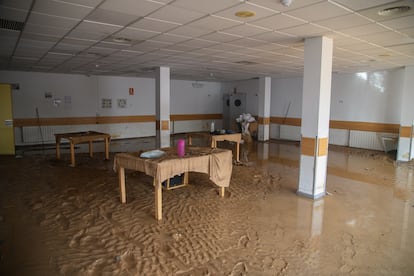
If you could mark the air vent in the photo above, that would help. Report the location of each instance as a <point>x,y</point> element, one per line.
<point>11,25</point>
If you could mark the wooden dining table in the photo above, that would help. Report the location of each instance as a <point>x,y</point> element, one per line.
<point>81,137</point>
<point>215,162</point>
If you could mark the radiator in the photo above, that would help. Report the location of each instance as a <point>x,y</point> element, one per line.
<point>365,140</point>
<point>33,134</point>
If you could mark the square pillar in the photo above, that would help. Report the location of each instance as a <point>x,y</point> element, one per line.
<point>405,151</point>
<point>264,109</point>
<point>162,102</point>
<point>316,102</point>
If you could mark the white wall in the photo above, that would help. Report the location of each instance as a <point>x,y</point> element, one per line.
<point>364,97</point>
<point>81,96</point>
<point>367,97</point>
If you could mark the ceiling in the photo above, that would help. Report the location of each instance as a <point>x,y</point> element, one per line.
<point>200,39</point>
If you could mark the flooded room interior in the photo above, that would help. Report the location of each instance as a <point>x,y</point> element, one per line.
<point>178,137</point>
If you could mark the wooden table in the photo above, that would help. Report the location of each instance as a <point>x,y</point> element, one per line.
<point>215,162</point>
<point>234,137</point>
<point>81,137</point>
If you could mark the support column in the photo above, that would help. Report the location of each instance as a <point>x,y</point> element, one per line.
<point>405,150</point>
<point>162,102</point>
<point>316,102</point>
<point>264,109</point>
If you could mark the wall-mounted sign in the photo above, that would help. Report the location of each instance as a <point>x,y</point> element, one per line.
<point>131,91</point>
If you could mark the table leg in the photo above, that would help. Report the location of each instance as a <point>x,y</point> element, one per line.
<point>222,192</point>
<point>185,181</point>
<point>90,149</point>
<point>107,148</point>
<point>158,201</point>
<point>58,148</point>
<point>121,179</point>
<point>238,151</point>
<point>72,154</point>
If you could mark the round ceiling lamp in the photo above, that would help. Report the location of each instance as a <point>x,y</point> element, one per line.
<point>245,14</point>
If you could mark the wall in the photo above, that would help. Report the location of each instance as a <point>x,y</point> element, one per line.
<point>373,97</point>
<point>68,103</point>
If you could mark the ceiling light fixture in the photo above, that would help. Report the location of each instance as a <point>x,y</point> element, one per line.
<point>394,10</point>
<point>245,14</point>
<point>121,40</point>
<point>286,3</point>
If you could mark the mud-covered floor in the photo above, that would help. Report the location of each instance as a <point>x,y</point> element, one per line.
<point>59,220</point>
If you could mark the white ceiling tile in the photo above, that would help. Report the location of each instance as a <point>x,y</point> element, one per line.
<point>357,5</point>
<point>214,23</point>
<point>49,20</point>
<point>189,31</point>
<point>199,43</point>
<point>207,7</point>
<point>277,5</point>
<point>44,30</point>
<point>306,30</point>
<point>13,14</point>
<point>111,17</point>
<point>181,47</point>
<point>400,23</point>
<point>248,42</point>
<point>275,36</point>
<point>88,3</point>
<point>132,7</point>
<point>278,21</point>
<point>259,12</point>
<point>318,11</point>
<point>386,38</point>
<point>17,4</point>
<point>155,25</point>
<point>93,30</point>
<point>70,48</point>
<point>408,31</point>
<point>364,30</point>
<point>40,37</point>
<point>61,9</point>
<point>136,34</point>
<point>149,45</point>
<point>246,30</point>
<point>171,38</point>
<point>175,14</point>
<point>101,50</point>
<point>344,22</point>
<point>220,37</point>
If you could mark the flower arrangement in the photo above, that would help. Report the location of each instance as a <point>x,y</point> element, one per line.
<point>244,120</point>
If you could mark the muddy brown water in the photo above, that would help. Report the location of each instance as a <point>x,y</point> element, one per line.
<point>58,220</point>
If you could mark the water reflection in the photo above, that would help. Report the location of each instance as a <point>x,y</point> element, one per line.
<point>310,216</point>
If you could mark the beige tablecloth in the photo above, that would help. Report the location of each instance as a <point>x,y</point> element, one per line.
<point>215,162</point>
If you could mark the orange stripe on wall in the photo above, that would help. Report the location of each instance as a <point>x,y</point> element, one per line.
<point>108,120</point>
<point>350,125</point>
<point>405,131</point>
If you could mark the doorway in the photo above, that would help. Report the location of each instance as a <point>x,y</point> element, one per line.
<point>233,106</point>
<point>6,121</point>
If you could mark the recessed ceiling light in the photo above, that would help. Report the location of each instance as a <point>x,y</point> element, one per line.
<point>245,14</point>
<point>394,10</point>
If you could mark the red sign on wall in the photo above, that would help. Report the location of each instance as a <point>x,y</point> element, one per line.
<point>131,91</point>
